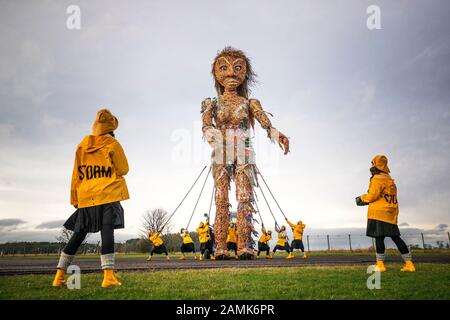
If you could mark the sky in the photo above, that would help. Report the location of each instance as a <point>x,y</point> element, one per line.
<point>341,92</point>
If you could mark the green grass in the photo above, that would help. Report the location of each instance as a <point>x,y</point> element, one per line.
<point>431,281</point>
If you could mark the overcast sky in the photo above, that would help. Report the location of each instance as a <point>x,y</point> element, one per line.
<point>340,91</point>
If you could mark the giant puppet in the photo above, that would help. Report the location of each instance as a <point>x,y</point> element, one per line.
<point>227,123</point>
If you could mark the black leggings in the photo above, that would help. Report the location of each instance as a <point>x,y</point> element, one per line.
<point>77,239</point>
<point>401,245</point>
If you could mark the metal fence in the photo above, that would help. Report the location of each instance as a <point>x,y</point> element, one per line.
<point>353,242</point>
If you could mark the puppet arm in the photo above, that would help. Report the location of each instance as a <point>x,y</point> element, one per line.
<point>210,133</point>
<point>259,114</point>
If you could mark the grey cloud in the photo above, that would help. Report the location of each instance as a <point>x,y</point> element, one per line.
<point>8,223</point>
<point>442,227</point>
<point>54,224</point>
<point>51,234</point>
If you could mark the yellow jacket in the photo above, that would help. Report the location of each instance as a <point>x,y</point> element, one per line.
<point>97,178</point>
<point>382,199</point>
<point>281,238</point>
<point>297,229</point>
<point>186,238</point>
<point>203,233</point>
<point>264,236</point>
<point>155,239</point>
<point>232,235</point>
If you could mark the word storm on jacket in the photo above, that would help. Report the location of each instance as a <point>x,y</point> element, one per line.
<point>94,172</point>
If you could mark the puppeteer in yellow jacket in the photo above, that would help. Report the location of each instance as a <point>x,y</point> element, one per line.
<point>97,188</point>
<point>155,238</point>
<point>203,232</point>
<point>186,237</point>
<point>382,195</point>
<point>232,234</point>
<point>100,164</point>
<point>266,236</point>
<point>382,214</point>
<point>297,229</point>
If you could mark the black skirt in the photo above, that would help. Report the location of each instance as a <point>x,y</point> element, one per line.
<point>232,246</point>
<point>263,246</point>
<point>159,249</point>
<point>91,219</point>
<point>377,228</point>
<point>297,244</point>
<point>187,247</point>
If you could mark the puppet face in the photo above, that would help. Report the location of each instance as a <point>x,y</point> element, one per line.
<point>230,72</point>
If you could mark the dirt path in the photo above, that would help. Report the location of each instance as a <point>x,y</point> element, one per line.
<point>16,266</point>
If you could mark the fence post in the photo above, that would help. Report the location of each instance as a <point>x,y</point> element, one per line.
<point>307,241</point>
<point>350,242</point>
<point>328,241</point>
<point>423,241</point>
<point>448,234</point>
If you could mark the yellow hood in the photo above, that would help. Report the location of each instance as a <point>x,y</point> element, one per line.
<point>105,122</point>
<point>380,162</point>
<point>92,143</point>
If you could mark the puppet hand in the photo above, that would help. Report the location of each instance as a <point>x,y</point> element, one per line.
<point>280,138</point>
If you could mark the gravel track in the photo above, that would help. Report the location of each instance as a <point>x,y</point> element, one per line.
<point>21,266</point>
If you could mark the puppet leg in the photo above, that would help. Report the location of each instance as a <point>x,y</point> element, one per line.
<point>244,195</point>
<point>221,180</point>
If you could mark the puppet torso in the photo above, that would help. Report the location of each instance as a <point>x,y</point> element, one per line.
<point>232,113</point>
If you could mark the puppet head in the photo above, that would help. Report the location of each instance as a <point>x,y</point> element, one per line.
<point>232,70</point>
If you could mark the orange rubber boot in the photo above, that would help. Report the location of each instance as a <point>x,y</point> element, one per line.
<point>109,279</point>
<point>59,280</point>
<point>408,267</point>
<point>380,266</point>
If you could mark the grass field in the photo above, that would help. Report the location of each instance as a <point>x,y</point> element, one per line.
<point>431,281</point>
